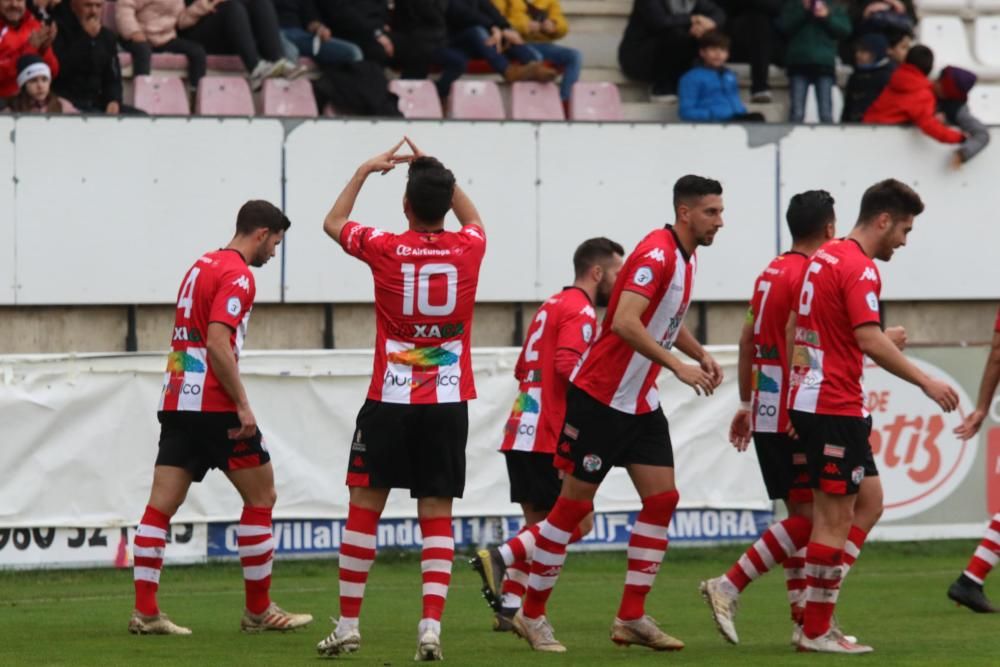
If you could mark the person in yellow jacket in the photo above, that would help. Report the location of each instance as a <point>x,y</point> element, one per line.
<point>541,23</point>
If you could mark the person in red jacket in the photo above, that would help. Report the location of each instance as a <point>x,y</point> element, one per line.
<point>22,34</point>
<point>909,98</point>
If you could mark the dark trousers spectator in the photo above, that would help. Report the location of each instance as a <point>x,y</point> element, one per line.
<point>569,60</point>
<point>331,52</point>
<point>248,28</point>
<point>142,55</point>
<point>798,89</point>
<point>754,40</point>
<point>471,43</point>
<point>661,60</point>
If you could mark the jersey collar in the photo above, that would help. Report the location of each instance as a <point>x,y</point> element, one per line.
<point>677,242</point>
<point>795,252</point>
<point>569,287</point>
<point>237,252</point>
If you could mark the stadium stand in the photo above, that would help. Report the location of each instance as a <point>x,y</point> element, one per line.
<point>417,98</point>
<point>224,96</point>
<point>536,101</point>
<point>595,102</point>
<point>161,95</point>
<point>289,98</point>
<point>476,100</point>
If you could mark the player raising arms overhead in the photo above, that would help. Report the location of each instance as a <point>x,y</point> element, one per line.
<point>614,418</point>
<point>412,430</point>
<point>763,385</point>
<point>837,324</point>
<point>560,332</point>
<point>206,422</point>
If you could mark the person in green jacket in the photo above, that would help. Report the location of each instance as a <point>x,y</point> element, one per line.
<point>813,29</point>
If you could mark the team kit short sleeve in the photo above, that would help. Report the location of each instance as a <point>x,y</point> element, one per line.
<point>996,325</point>
<point>611,371</point>
<point>218,288</point>
<point>840,292</point>
<point>425,293</point>
<point>566,321</point>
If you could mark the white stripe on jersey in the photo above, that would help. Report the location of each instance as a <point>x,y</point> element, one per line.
<point>241,331</point>
<point>807,394</point>
<point>626,397</point>
<point>449,378</point>
<point>398,377</point>
<point>527,427</point>
<point>193,389</point>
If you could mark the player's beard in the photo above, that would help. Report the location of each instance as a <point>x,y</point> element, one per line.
<point>603,296</point>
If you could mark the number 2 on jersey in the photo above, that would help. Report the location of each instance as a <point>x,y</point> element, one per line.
<point>530,353</point>
<point>186,298</point>
<point>422,283</point>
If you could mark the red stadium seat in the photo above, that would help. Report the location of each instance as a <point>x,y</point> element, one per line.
<point>536,101</point>
<point>595,101</point>
<point>475,100</point>
<point>224,96</point>
<point>161,96</point>
<point>289,98</point>
<point>418,98</point>
<point>225,63</point>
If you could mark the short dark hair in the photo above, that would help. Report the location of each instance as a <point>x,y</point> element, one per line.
<point>430,189</point>
<point>714,39</point>
<point>694,187</point>
<point>890,196</point>
<point>922,58</point>
<point>594,251</point>
<point>259,214</point>
<point>808,213</point>
<point>895,37</point>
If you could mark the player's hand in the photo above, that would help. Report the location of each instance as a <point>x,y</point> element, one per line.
<point>495,39</point>
<point>956,161</point>
<point>898,336</point>
<point>387,161</point>
<point>971,424</point>
<point>739,430</point>
<point>712,367</point>
<point>513,37</point>
<point>792,433</point>
<point>942,394</point>
<point>413,148</point>
<point>696,378</point>
<point>248,424</point>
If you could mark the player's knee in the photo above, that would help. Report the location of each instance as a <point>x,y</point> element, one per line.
<point>587,525</point>
<point>266,497</point>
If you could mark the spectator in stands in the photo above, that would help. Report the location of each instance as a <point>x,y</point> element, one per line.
<point>909,98</point>
<point>541,23</point>
<point>361,22</point>
<point>872,71</point>
<point>755,41</point>
<point>899,46</point>
<point>35,95</point>
<point>891,18</point>
<point>952,90</point>
<point>22,34</point>
<point>661,41</point>
<point>419,32</point>
<point>150,26</point>
<point>710,91</point>
<point>301,25</point>
<point>813,28</point>
<point>90,76</point>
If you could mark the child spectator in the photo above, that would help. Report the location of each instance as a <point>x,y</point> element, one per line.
<point>952,90</point>
<point>710,91</point>
<point>22,34</point>
<point>813,28</point>
<point>872,70</point>
<point>34,80</point>
<point>899,46</point>
<point>909,98</point>
<point>541,23</point>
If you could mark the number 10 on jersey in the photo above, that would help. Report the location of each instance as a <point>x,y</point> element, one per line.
<point>417,288</point>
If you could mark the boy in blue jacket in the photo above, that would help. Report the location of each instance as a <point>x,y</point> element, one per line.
<point>710,92</point>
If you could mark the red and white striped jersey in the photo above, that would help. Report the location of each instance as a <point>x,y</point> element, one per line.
<point>611,371</point>
<point>218,288</point>
<point>775,295</point>
<point>840,292</point>
<point>425,291</point>
<point>565,322</point>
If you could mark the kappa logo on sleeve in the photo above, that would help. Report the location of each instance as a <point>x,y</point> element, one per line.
<point>233,306</point>
<point>869,274</point>
<point>244,282</point>
<point>643,276</point>
<point>656,254</point>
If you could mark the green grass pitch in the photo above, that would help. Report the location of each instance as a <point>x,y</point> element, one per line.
<point>894,599</point>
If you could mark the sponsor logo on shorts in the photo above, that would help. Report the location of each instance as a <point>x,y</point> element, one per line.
<point>798,459</point>
<point>857,475</point>
<point>592,463</point>
<point>833,451</point>
<point>358,445</point>
<point>571,431</point>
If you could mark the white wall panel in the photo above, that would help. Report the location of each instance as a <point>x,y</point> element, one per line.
<point>7,236</point>
<point>617,181</point>
<point>493,162</point>
<point>114,211</point>
<point>951,252</point>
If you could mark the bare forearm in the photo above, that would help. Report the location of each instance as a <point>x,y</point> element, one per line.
<point>340,213</point>
<point>744,369</point>
<point>225,368</point>
<point>638,338</point>
<point>464,209</point>
<point>688,344</point>
<point>884,353</point>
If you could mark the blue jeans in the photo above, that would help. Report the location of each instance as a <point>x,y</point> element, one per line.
<point>471,43</point>
<point>569,59</point>
<point>799,88</point>
<point>331,52</point>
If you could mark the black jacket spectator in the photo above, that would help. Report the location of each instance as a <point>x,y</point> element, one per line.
<point>419,28</point>
<point>464,14</point>
<point>358,21</point>
<point>658,46</point>
<point>750,24</point>
<point>868,79</point>
<point>90,76</point>
<point>296,13</point>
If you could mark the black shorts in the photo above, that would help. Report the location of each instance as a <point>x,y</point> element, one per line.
<point>596,437</point>
<point>197,441</point>
<point>415,447</point>
<point>837,450</point>
<point>783,466</point>
<point>534,479</point>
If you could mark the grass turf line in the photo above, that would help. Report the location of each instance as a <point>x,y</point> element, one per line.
<point>894,599</point>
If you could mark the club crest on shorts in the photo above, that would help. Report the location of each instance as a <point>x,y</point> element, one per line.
<point>857,475</point>
<point>358,445</point>
<point>592,463</point>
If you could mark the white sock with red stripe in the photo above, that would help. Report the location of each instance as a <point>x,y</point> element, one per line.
<point>550,551</point>
<point>646,548</point>
<point>256,549</point>
<point>357,553</point>
<point>148,547</point>
<point>795,581</point>
<point>519,548</point>
<point>515,584</point>
<point>987,553</point>
<point>778,543</point>
<point>823,576</point>
<point>435,565</point>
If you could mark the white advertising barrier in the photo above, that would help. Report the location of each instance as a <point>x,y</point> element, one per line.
<point>130,204</point>
<point>8,249</point>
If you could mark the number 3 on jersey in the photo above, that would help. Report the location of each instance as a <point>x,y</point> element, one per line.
<point>186,298</point>
<point>420,283</point>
